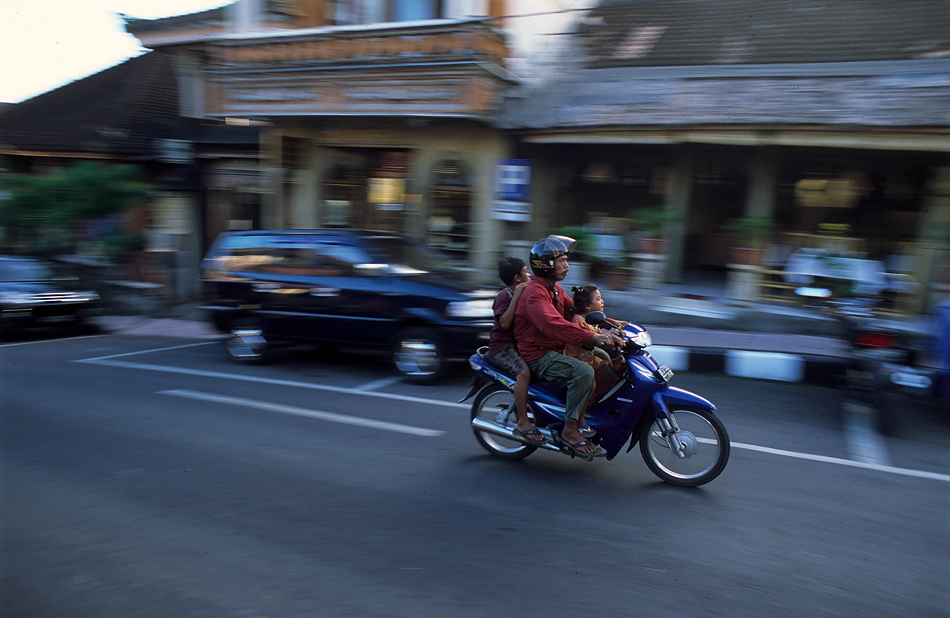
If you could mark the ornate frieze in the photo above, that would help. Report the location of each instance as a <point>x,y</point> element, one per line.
<point>460,96</point>
<point>450,70</point>
<point>346,47</point>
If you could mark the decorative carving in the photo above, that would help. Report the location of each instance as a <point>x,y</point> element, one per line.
<point>340,47</point>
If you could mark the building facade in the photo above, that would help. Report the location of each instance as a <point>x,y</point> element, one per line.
<point>830,120</point>
<point>377,113</point>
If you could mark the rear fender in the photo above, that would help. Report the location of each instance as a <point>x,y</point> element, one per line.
<point>484,375</point>
<point>673,396</point>
<point>479,380</point>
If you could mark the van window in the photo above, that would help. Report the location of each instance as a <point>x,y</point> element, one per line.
<point>337,259</point>
<point>265,254</point>
<point>240,253</point>
<point>298,260</point>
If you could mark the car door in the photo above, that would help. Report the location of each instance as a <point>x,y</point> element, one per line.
<point>288,283</point>
<point>354,300</point>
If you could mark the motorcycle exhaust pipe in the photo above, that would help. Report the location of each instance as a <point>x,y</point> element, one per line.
<point>505,432</point>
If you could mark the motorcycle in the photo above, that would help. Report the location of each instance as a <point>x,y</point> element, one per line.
<point>881,361</point>
<point>681,439</point>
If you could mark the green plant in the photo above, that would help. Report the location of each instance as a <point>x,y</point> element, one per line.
<point>750,231</point>
<point>62,203</point>
<point>652,221</point>
<point>834,229</point>
<point>940,233</point>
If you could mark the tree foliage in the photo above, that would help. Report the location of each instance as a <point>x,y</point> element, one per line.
<point>57,204</point>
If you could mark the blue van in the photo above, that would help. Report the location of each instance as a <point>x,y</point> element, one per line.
<point>348,288</point>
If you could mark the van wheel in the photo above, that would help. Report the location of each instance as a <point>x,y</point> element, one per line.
<point>419,355</point>
<point>246,342</point>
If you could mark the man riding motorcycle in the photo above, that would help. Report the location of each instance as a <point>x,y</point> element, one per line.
<point>543,326</point>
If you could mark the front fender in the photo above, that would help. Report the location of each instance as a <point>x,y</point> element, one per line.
<point>673,396</point>
<point>662,401</point>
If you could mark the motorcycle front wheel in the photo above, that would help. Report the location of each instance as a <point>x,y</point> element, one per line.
<point>705,448</point>
<point>489,404</point>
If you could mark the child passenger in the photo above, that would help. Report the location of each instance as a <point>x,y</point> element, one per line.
<point>501,345</point>
<point>587,298</point>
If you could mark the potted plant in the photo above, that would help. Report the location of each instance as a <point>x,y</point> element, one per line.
<point>750,234</point>
<point>616,272</point>
<point>650,223</point>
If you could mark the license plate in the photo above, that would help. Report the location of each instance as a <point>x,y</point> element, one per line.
<point>665,372</point>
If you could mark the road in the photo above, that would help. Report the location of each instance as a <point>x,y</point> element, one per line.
<point>151,476</point>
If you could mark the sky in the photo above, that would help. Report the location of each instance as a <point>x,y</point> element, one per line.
<point>45,44</point>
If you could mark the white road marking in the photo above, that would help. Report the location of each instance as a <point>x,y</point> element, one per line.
<point>149,351</point>
<point>261,380</point>
<point>934,476</point>
<point>13,345</point>
<point>332,417</point>
<point>448,404</point>
<point>378,384</point>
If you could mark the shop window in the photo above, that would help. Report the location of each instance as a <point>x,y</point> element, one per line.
<point>344,199</point>
<point>245,210</point>
<point>449,226</point>
<point>386,190</point>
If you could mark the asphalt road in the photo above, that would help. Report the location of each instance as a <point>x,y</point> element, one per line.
<point>150,476</point>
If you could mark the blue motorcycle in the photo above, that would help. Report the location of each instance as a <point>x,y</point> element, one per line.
<point>681,439</point>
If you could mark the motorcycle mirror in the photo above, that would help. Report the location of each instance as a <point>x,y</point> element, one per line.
<point>595,318</point>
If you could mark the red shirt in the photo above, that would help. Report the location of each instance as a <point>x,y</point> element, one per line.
<point>499,337</point>
<point>540,327</point>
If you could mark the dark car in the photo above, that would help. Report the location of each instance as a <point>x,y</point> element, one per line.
<point>33,294</point>
<point>348,288</point>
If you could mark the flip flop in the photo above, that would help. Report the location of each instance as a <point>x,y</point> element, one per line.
<point>576,446</point>
<point>587,431</point>
<point>531,432</point>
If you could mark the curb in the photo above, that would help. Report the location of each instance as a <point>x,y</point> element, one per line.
<point>757,365</point>
<point>771,366</point>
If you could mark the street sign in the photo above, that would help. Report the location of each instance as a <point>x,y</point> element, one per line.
<point>513,179</point>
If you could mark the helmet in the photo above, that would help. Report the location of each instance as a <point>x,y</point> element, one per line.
<point>544,252</point>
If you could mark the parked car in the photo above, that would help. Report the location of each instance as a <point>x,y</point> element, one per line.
<point>348,288</point>
<point>32,294</point>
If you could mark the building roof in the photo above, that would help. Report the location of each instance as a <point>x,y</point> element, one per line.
<point>664,63</point>
<point>210,18</point>
<point>905,94</point>
<point>709,32</point>
<point>119,111</point>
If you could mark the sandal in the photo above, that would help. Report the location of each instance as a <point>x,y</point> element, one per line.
<point>525,436</point>
<point>576,448</point>
<point>587,431</point>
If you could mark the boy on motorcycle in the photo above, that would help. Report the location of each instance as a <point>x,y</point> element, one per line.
<point>501,343</point>
<point>543,327</point>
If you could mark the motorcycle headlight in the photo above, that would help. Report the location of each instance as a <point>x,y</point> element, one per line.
<point>470,309</point>
<point>642,339</point>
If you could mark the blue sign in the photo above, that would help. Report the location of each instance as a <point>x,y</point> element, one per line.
<point>513,179</point>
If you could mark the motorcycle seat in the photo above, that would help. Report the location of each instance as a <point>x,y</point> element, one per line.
<point>551,388</point>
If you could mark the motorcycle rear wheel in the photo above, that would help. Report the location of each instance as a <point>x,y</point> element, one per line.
<point>488,403</point>
<point>705,440</point>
